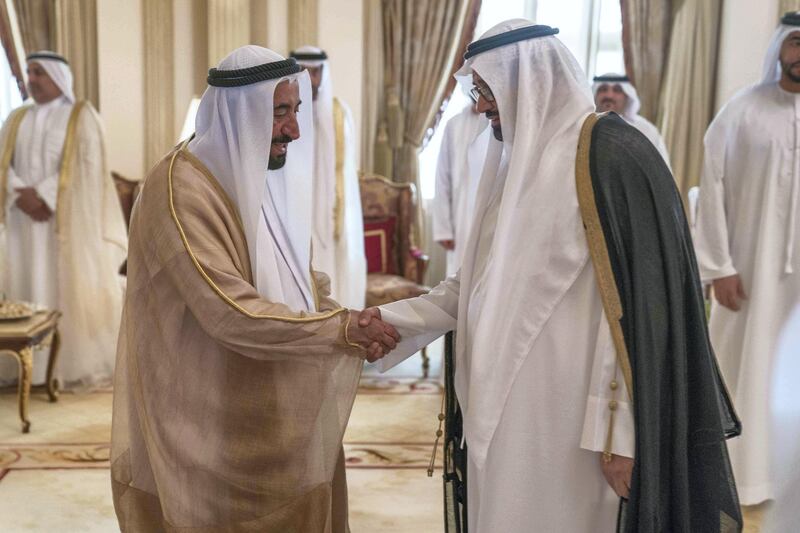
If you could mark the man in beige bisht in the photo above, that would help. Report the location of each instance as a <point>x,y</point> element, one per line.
<point>338,225</point>
<point>62,235</point>
<point>236,372</point>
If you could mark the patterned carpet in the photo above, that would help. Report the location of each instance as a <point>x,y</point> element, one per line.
<point>56,478</point>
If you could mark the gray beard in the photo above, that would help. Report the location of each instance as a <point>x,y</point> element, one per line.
<point>498,133</point>
<point>276,162</point>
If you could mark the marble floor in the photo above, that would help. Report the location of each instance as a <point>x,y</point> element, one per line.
<point>56,478</point>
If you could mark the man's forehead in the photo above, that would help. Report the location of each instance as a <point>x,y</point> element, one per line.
<point>793,35</point>
<point>286,92</point>
<point>35,64</point>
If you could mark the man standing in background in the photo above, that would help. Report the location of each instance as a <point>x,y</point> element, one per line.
<point>338,226</point>
<point>63,235</point>
<point>615,92</point>
<point>461,158</point>
<point>748,243</point>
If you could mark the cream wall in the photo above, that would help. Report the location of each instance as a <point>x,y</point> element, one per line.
<point>341,30</point>
<point>121,62</point>
<point>120,67</point>
<point>747,26</point>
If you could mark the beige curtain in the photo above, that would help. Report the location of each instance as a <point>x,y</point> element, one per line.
<point>12,44</point>
<point>75,37</point>
<point>228,27</point>
<point>645,36</point>
<point>373,94</point>
<point>422,40</point>
<point>303,22</point>
<point>35,19</point>
<point>159,80</point>
<point>789,5</point>
<point>687,100</point>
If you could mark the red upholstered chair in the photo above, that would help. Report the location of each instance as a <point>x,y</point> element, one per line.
<point>395,266</point>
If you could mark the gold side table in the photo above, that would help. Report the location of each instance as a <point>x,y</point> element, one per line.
<point>19,338</point>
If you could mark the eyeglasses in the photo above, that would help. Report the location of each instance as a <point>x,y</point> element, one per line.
<point>479,90</point>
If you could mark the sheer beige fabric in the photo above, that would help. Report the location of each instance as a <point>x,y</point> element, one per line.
<point>229,410</point>
<point>687,99</point>
<point>75,37</point>
<point>645,36</point>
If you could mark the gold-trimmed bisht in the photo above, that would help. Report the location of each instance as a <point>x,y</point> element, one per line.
<point>598,249</point>
<point>67,156</point>
<point>227,299</point>
<point>338,207</point>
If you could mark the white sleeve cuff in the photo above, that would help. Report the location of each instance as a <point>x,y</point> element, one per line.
<point>595,427</point>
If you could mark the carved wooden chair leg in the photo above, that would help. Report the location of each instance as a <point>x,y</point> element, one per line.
<point>426,363</point>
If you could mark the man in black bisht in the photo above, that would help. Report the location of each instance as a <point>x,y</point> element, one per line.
<point>578,223</point>
<point>645,265</point>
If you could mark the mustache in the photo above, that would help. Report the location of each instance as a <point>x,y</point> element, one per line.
<point>492,114</point>
<point>282,139</point>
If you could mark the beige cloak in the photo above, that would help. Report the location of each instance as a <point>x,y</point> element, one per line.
<point>229,410</point>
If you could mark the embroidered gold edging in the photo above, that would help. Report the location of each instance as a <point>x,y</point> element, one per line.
<point>598,249</point>
<point>227,299</point>
<point>222,194</point>
<point>346,336</point>
<point>338,207</point>
<point>67,155</point>
<point>14,122</point>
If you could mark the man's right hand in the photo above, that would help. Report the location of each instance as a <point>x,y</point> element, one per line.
<point>375,336</point>
<point>448,244</point>
<point>729,292</point>
<point>29,203</point>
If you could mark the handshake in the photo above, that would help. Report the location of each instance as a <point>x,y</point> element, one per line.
<point>371,333</point>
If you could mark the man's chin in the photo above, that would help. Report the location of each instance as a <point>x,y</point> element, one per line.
<point>276,162</point>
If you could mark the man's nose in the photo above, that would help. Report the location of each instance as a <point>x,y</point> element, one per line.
<point>292,128</point>
<point>484,105</point>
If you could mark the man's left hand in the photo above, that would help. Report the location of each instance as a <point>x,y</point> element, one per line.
<point>618,472</point>
<point>29,203</point>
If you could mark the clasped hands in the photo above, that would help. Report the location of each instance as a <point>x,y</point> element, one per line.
<point>29,203</point>
<point>371,333</point>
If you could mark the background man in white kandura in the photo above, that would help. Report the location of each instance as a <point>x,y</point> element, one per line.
<point>338,226</point>
<point>748,243</point>
<point>63,235</point>
<point>615,92</point>
<point>458,171</point>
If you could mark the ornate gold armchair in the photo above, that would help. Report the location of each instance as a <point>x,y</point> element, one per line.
<point>396,267</point>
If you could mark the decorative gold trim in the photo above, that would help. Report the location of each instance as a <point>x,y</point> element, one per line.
<point>338,207</point>
<point>598,248</point>
<point>365,177</point>
<point>384,255</point>
<point>14,122</point>
<point>67,156</point>
<point>227,299</point>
